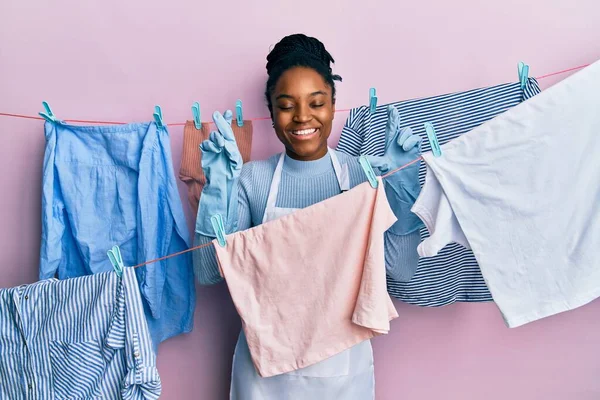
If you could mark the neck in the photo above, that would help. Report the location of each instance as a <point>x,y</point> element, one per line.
<point>315,156</point>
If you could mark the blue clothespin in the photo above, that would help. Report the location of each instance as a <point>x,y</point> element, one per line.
<point>48,115</point>
<point>114,255</point>
<point>523,73</point>
<point>158,117</point>
<point>372,100</point>
<point>366,166</point>
<point>239,116</point>
<point>196,114</point>
<point>219,228</point>
<point>433,140</point>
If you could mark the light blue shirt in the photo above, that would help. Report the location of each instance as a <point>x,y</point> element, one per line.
<point>115,185</point>
<point>77,338</point>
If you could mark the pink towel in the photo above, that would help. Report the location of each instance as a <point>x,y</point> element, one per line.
<point>312,284</point>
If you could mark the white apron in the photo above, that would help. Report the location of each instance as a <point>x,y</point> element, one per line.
<point>348,375</point>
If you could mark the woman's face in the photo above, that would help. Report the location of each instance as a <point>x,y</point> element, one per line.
<point>303,112</point>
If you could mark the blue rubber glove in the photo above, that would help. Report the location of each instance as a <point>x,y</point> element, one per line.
<point>222,165</point>
<point>401,188</point>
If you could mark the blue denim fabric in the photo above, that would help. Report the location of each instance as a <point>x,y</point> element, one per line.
<point>115,185</point>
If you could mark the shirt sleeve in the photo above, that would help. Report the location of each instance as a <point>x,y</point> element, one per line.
<point>142,380</point>
<point>206,267</point>
<point>351,140</point>
<point>53,223</point>
<point>434,209</point>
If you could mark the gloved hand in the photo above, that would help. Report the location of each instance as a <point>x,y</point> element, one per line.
<point>222,165</point>
<point>401,188</point>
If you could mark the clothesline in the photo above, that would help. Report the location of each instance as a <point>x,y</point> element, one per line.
<point>34,117</point>
<point>252,119</point>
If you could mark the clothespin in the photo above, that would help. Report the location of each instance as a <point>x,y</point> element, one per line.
<point>523,73</point>
<point>114,255</point>
<point>372,100</point>
<point>366,166</point>
<point>219,228</point>
<point>158,117</point>
<point>239,116</point>
<point>48,115</point>
<point>196,114</point>
<point>433,140</point>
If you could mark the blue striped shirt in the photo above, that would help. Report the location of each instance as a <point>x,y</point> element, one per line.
<point>78,338</point>
<point>452,275</point>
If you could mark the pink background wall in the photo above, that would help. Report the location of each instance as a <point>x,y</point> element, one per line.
<point>113,60</point>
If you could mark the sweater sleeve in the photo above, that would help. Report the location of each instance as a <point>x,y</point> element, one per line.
<point>206,267</point>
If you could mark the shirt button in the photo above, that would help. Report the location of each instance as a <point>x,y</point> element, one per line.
<point>136,355</point>
<point>26,297</point>
<point>30,386</point>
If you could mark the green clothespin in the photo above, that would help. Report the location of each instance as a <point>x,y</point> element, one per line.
<point>158,117</point>
<point>433,140</point>
<point>196,114</point>
<point>219,228</point>
<point>48,115</point>
<point>366,166</point>
<point>114,255</point>
<point>239,114</point>
<point>372,100</point>
<point>523,73</point>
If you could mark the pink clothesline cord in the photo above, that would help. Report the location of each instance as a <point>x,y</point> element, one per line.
<point>208,244</point>
<point>2,114</point>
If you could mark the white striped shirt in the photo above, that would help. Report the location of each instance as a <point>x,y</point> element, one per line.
<point>453,274</point>
<point>78,338</point>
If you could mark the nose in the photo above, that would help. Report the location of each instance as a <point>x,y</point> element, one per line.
<point>302,114</point>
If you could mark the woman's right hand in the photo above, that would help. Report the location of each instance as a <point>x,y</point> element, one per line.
<point>222,165</point>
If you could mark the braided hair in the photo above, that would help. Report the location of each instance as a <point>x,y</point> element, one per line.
<point>299,50</point>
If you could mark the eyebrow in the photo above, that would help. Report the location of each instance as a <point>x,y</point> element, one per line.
<point>287,96</point>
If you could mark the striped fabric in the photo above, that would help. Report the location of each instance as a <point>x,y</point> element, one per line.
<point>79,338</point>
<point>452,275</point>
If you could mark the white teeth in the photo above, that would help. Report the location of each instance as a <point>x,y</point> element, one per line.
<point>304,132</point>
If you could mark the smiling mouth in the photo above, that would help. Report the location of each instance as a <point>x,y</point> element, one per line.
<point>304,133</point>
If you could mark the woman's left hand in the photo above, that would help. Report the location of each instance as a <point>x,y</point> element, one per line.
<point>402,188</point>
<point>401,145</point>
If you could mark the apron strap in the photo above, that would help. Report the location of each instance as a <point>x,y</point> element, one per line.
<point>341,173</point>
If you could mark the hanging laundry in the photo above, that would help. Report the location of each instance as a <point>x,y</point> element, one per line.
<point>342,284</point>
<point>115,185</point>
<point>190,171</point>
<point>524,191</point>
<point>79,338</point>
<point>453,274</point>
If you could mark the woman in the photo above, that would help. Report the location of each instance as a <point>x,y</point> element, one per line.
<point>300,94</point>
